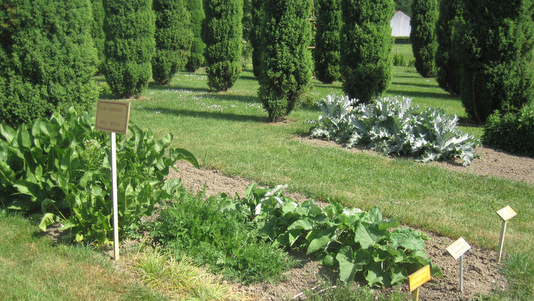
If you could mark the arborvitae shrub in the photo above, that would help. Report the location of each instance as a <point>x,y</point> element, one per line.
<point>47,58</point>
<point>423,36</point>
<point>222,32</point>
<point>196,56</point>
<point>496,51</point>
<point>130,46</point>
<point>255,35</point>
<point>286,60</point>
<point>99,37</point>
<point>173,39</point>
<point>366,42</point>
<point>512,132</point>
<point>447,62</point>
<point>327,40</point>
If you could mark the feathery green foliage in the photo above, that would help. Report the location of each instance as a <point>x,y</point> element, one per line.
<point>47,58</point>
<point>196,56</point>
<point>222,32</point>
<point>366,41</point>
<point>129,48</point>
<point>173,39</point>
<point>497,45</point>
<point>327,39</point>
<point>286,61</point>
<point>447,61</point>
<point>423,36</point>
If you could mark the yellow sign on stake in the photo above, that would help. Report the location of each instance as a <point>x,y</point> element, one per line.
<point>419,278</point>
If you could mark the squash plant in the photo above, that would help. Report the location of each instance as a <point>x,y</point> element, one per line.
<point>362,245</point>
<point>58,170</point>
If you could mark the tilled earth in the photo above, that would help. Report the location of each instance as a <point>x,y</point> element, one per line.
<point>480,266</point>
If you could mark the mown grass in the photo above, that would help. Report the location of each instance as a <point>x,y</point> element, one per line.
<point>32,267</point>
<point>229,131</point>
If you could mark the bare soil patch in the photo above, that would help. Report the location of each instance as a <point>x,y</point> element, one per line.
<point>481,272</point>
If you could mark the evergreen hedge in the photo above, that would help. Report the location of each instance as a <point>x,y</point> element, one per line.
<point>255,35</point>
<point>173,39</point>
<point>423,36</point>
<point>196,56</point>
<point>447,61</point>
<point>99,37</point>
<point>222,32</point>
<point>327,40</point>
<point>286,61</point>
<point>130,45</point>
<point>497,42</point>
<point>366,42</point>
<point>512,132</point>
<point>47,58</point>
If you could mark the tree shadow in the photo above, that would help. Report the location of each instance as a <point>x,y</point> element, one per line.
<point>207,115</point>
<point>416,94</point>
<point>429,85</point>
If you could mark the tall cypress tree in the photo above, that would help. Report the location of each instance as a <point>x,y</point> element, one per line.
<point>366,42</point>
<point>286,60</point>
<point>173,39</point>
<point>255,35</point>
<point>496,49</point>
<point>327,40</point>
<point>423,35</point>
<point>99,37</point>
<point>450,21</point>
<point>130,46</point>
<point>222,32</point>
<point>196,56</point>
<point>47,58</point>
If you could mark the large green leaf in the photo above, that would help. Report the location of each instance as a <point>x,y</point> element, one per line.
<point>47,220</point>
<point>347,264</point>
<point>363,237</point>
<point>321,240</point>
<point>407,238</point>
<point>7,133</point>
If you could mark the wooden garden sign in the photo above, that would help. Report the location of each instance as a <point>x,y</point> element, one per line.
<point>113,117</point>
<point>457,250</point>
<point>417,279</point>
<point>505,214</point>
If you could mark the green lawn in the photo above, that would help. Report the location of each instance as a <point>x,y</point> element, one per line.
<point>230,132</point>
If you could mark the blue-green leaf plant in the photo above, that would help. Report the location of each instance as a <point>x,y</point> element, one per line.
<point>58,170</point>
<point>363,246</point>
<point>390,125</point>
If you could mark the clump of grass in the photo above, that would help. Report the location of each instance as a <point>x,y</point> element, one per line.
<point>182,279</point>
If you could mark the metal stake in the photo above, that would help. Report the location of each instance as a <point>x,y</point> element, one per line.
<point>114,196</point>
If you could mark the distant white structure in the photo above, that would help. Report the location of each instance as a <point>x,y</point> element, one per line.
<point>400,25</point>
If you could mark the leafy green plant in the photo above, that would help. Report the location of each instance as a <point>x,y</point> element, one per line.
<point>513,131</point>
<point>362,245</point>
<point>212,232</point>
<point>59,170</point>
<point>391,126</point>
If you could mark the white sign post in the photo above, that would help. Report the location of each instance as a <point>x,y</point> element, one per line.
<point>457,250</point>
<point>113,117</point>
<point>506,214</point>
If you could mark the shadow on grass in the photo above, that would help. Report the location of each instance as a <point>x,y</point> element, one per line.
<point>207,115</point>
<point>429,85</point>
<point>415,94</point>
<point>206,93</point>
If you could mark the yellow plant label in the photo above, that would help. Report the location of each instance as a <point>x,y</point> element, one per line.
<point>458,248</point>
<point>112,116</point>
<point>419,278</point>
<point>506,213</point>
